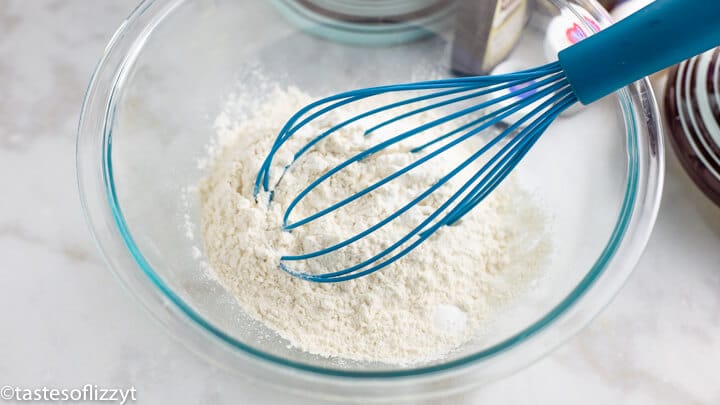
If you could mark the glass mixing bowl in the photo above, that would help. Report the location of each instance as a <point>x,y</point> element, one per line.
<point>148,119</point>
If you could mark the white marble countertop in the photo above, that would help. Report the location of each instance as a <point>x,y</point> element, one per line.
<point>66,322</point>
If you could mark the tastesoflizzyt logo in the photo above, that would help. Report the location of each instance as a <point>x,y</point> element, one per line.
<point>86,393</point>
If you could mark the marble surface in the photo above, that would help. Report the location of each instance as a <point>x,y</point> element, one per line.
<point>66,322</point>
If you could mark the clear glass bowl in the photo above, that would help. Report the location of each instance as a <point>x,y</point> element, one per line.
<point>148,118</point>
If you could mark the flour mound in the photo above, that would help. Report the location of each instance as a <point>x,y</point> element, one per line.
<point>417,309</point>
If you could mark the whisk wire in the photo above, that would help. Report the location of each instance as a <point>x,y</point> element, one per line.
<point>486,91</point>
<point>351,272</point>
<point>547,86</point>
<point>520,144</point>
<point>416,200</point>
<point>484,189</point>
<point>501,113</point>
<point>466,84</point>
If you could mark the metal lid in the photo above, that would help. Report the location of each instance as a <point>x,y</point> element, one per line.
<point>368,22</point>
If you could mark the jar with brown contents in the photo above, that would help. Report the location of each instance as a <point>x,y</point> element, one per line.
<point>692,109</point>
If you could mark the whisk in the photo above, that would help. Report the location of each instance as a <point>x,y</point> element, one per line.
<point>658,36</point>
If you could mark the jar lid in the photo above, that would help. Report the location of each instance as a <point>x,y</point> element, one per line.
<point>377,22</point>
<point>692,109</point>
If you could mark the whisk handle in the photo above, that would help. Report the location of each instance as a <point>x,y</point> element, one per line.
<point>660,35</point>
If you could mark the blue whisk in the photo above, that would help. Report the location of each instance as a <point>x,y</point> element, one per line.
<point>658,36</point>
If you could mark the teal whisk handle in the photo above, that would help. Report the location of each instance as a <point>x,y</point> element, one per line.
<point>660,35</point>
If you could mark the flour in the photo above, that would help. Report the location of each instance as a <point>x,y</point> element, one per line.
<point>419,308</point>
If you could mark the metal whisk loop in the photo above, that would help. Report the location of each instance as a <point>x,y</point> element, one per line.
<point>519,144</point>
<point>504,112</point>
<point>545,86</point>
<point>341,99</point>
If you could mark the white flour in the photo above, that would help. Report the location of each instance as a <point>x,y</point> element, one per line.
<point>419,308</point>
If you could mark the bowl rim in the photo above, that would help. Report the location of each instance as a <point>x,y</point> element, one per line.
<point>637,215</point>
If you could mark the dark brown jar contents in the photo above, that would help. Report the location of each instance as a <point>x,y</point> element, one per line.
<point>692,109</point>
